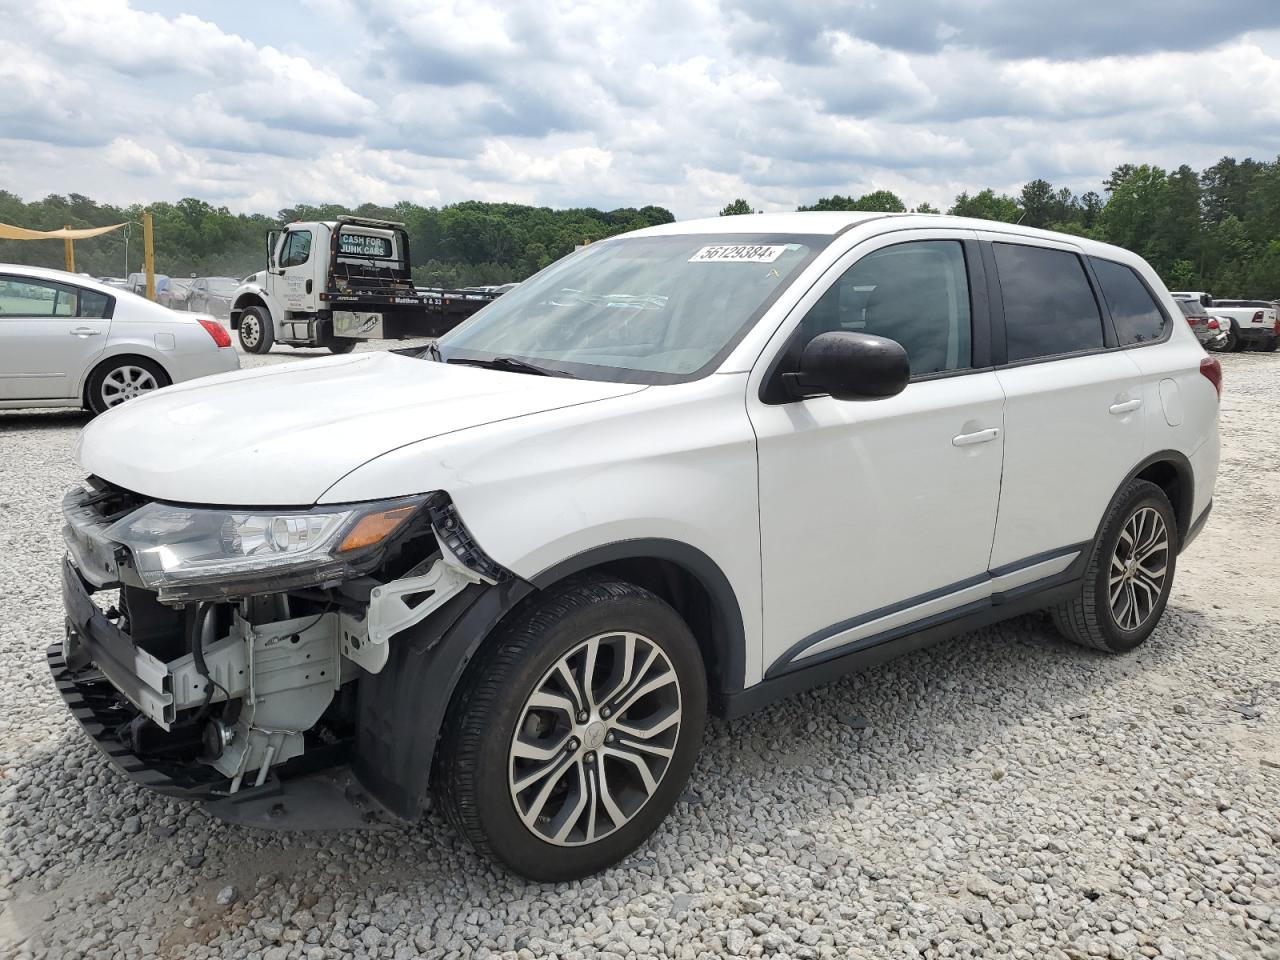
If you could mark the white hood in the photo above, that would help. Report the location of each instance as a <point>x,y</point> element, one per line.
<point>282,435</point>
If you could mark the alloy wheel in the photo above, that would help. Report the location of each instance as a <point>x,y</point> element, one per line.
<point>595,738</point>
<point>124,383</point>
<point>1139,569</point>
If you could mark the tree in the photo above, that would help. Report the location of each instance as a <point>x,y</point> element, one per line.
<point>926,207</point>
<point>1038,204</point>
<point>878,201</point>
<point>987,205</point>
<point>738,206</point>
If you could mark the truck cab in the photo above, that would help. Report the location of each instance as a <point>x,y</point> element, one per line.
<point>334,283</point>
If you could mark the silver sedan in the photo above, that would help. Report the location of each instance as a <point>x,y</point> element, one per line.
<point>67,340</point>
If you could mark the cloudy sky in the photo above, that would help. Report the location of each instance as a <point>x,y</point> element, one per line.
<point>683,103</point>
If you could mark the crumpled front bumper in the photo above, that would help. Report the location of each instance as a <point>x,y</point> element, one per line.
<point>110,685</point>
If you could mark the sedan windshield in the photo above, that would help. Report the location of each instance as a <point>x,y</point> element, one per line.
<point>636,309</point>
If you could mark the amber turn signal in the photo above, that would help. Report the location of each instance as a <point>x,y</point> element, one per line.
<point>375,528</point>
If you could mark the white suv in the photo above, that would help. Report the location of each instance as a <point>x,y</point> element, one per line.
<point>696,467</point>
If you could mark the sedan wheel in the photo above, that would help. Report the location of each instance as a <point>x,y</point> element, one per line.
<point>114,382</point>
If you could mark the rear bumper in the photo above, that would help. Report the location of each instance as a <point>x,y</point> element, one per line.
<point>1255,334</point>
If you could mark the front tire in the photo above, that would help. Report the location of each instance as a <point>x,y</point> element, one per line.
<point>255,331</point>
<point>1130,574</point>
<point>120,379</point>
<point>575,730</point>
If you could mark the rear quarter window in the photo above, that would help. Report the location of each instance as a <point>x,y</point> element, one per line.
<point>1049,307</point>
<point>1137,316</point>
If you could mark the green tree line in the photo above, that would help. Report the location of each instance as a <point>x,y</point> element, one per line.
<point>1217,229</point>
<point>461,244</point>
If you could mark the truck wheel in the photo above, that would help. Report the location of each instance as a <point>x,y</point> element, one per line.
<point>1234,342</point>
<point>1130,574</point>
<point>340,345</point>
<point>575,730</point>
<point>255,331</point>
<point>1270,345</point>
<point>122,378</point>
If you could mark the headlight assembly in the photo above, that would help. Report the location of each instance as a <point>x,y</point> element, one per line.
<point>199,553</point>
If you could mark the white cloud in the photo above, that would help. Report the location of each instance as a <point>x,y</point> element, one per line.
<point>685,103</point>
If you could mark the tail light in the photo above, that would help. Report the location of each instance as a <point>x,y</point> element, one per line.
<point>1193,321</point>
<point>216,330</point>
<point>1213,324</point>
<point>1212,371</point>
<point>1257,316</point>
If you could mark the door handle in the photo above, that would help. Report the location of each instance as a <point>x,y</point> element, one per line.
<point>981,436</point>
<point>83,332</point>
<point>1125,406</point>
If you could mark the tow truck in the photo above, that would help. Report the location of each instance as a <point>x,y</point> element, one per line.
<point>334,283</point>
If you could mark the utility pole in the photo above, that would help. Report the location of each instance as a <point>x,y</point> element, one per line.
<point>70,250</point>
<point>148,257</point>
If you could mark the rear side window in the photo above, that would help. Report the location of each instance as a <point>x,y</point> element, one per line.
<point>1049,307</point>
<point>94,304</point>
<point>1138,318</point>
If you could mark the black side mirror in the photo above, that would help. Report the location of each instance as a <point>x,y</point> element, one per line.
<point>850,366</point>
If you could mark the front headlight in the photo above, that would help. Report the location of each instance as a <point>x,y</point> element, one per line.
<point>194,552</point>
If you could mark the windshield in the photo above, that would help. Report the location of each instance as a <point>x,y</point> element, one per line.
<point>637,309</point>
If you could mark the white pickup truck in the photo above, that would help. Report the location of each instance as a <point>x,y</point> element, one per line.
<point>1253,323</point>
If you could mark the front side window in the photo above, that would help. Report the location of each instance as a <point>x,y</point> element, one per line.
<point>637,309</point>
<point>1138,318</point>
<point>915,293</point>
<point>297,248</point>
<point>1049,308</point>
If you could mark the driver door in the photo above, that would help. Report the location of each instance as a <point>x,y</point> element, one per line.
<point>877,516</point>
<point>296,282</point>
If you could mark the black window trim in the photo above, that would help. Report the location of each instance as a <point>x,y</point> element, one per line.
<point>284,248</point>
<point>1168,321</point>
<point>981,334</point>
<point>107,313</point>
<point>1110,341</point>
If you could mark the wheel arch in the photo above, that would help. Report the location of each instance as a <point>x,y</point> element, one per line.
<point>402,710</point>
<point>244,301</point>
<point>125,352</point>
<point>1170,471</point>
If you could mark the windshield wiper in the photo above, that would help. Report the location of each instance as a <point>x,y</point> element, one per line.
<point>512,364</point>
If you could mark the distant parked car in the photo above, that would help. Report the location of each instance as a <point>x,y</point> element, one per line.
<point>212,295</point>
<point>175,293</point>
<point>120,283</point>
<point>1211,332</point>
<point>137,283</point>
<point>68,341</point>
<point>1254,323</point>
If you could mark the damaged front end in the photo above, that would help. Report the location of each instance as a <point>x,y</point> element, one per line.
<point>212,653</point>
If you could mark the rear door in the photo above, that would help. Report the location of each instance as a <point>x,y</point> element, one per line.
<point>50,334</point>
<point>1074,423</point>
<point>878,514</point>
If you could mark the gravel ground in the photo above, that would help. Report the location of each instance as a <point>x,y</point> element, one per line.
<point>1002,795</point>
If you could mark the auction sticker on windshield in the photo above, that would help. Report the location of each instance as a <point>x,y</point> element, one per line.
<point>740,253</point>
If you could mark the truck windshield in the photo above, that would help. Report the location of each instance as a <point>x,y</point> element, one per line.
<point>637,309</point>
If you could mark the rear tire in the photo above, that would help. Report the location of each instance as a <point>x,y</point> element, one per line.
<point>526,766</point>
<point>1270,345</point>
<point>122,378</point>
<point>255,331</point>
<point>341,345</point>
<point>1234,343</point>
<point>1130,574</point>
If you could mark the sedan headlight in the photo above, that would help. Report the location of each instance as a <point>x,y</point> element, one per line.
<point>198,553</point>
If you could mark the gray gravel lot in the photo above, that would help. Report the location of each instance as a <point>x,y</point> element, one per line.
<point>1002,795</point>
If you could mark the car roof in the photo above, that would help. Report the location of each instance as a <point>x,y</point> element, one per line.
<point>60,276</point>
<point>832,223</point>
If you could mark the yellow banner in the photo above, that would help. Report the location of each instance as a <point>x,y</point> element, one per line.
<point>9,232</point>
